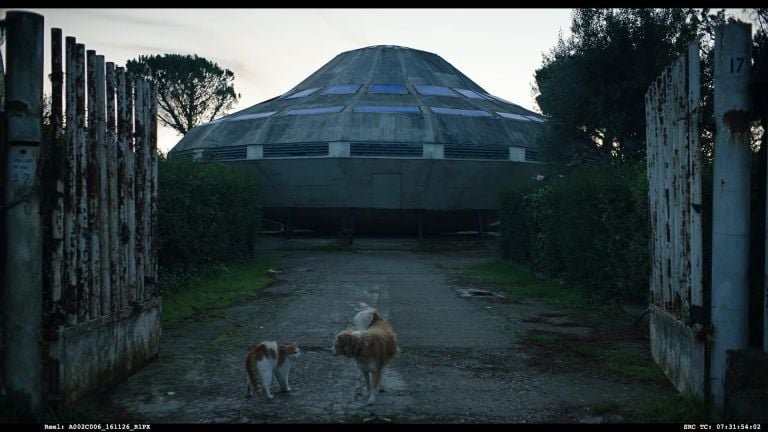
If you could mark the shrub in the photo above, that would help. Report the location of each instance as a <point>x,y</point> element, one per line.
<point>208,214</point>
<point>589,228</point>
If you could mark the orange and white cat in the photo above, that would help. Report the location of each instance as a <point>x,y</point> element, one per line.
<point>267,359</point>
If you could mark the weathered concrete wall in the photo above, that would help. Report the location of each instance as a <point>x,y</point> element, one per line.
<point>746,386</point>
<point>677,351</point>
<point>389,195</point>
<point>428,184</point>
<point>97,353</point>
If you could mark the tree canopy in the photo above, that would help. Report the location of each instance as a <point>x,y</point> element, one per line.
<point>191,89</point>
<point>592,85</point>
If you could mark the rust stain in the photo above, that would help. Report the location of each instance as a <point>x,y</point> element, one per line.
<point>737,121</point>
<point>16,105</point>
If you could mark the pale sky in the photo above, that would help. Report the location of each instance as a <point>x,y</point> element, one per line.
<point>272,50</point>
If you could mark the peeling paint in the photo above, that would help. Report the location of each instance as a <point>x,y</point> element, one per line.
<point>674,192</point>
<point>103,336</point>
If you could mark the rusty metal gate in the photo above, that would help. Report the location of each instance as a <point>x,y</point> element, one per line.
<point>677,315</point>
<point>95,178</point>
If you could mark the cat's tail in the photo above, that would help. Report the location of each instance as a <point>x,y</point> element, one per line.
<point>253,374</point>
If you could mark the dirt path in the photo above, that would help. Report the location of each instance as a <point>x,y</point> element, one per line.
<point>463,359</point>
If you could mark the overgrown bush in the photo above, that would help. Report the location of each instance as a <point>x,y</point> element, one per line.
<point>208,214</point>
<point>589,228</point>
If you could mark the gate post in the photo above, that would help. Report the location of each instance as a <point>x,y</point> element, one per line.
<point>23,279</point>
<point>731,201</point>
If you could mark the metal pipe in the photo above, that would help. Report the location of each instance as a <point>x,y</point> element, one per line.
<point>92,167</point>
<point>130,192</point>
<point>103,188</point>
<point>81,177</point>
<point>731,200</point>
<point>122,148</point>
<point>111,156</point>
<point>70,187</point>
<point>56,153</point>
<point>139,191</point>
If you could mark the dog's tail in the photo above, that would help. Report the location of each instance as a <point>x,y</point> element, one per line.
<point>366,317</point>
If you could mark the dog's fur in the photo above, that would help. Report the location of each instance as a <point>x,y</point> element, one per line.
<point>372,344</point>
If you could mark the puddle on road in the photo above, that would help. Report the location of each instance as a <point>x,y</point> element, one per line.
<point>478,293</point>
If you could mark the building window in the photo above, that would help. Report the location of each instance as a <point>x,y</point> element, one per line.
<point>435,91</point>
<point>341,89</point>
<point>461,112</point>
<point>388,88</point>
<point>302,93</point>
<point>311,111</point>
<point>387,109</point>
<point>470,94</point>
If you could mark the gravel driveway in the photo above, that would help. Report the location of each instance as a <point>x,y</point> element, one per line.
<point>462,358</point>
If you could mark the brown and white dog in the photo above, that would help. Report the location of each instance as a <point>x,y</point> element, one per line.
<point>372,344</point>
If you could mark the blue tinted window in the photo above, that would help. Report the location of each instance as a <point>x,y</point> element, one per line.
<point>461,112</point>
<point>536,119</point>
<point>513,116</point>
<point>341,89</point>
<point>435,91</point>
<point>253,116</point>
<point>310,111</point>
<point>386,109</point>
<point>470,94</point>
<point>388,88</point>
<point>302,93</point>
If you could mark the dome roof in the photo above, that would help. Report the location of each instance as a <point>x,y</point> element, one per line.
<point>380,95</point>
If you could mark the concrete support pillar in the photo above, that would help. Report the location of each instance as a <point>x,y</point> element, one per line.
<point>421,226</point>
<point>480,225</point>
<point>23,279</point>
<point>346,233</point>
<point>289,223</point>
<point>731,200</point>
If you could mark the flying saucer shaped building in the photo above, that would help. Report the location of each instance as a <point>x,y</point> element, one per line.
<point>395,138</point>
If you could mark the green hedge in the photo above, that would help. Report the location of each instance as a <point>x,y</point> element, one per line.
<point>589,228</point>
<point>208,214</point>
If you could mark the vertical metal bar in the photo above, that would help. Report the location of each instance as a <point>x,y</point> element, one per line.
<point>83,276</point>
<point>122,146</point>
<point>130,190</point>
<point>70,186</point>
<point>146,175</point>
<point>148,168</point>
<point>696,312</point>
<point>650,141</point>
<point>92,164</point>
<point>153,192</point>
<point>652,152</point>
<point>57,264</point>
<point>112,178</point>
<point>667,193</point>
<point>694,155</point>
<point>139,182</point>
<point>56,157</point>
<point>731,199</point>
<point>23,266</point>
<point>678,292</point>
<point>103,189</point>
